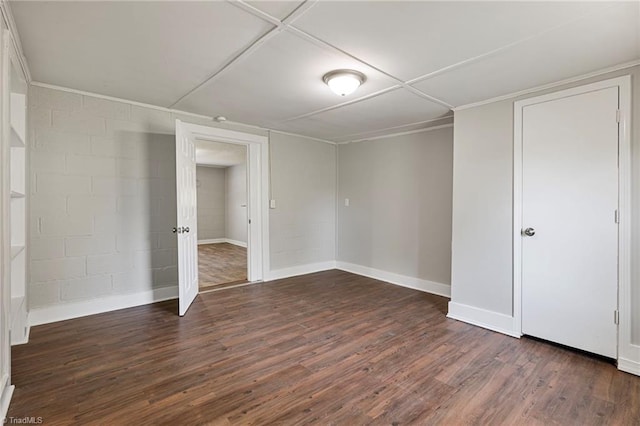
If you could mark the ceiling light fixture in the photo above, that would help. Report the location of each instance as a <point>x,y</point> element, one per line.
<point>344,82</point>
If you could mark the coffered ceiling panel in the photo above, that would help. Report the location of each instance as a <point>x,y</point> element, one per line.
<point>282,79</point>
<point>277,9</point>
<point>396,108</point>
<point>410,39</point>
<point>608,38</point>
<point>225,58</point>
<point>150,52</point>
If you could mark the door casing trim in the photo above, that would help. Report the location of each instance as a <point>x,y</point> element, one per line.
<point>257,190</point>
<point>625,348</point>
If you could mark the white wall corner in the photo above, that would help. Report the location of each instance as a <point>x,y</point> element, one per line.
<point>629,366</point>
<point>490,320</point>
<point>62,312</point>
<point>397,279</point>
<point>235,242</point>
<point>5,400</point>
<point>310,268</point>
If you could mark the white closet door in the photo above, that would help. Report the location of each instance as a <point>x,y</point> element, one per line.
<point>570,197</point>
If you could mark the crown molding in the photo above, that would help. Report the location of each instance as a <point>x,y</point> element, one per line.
<point>116,99</point>
<point>393,135</point>
<point>169,110</point>
<point>303,136</point>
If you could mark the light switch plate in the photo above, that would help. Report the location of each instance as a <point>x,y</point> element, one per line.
<point>272,204</point>
<point>346,202</point>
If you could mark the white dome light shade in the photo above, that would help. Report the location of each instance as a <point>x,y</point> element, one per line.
<point>344,82</point>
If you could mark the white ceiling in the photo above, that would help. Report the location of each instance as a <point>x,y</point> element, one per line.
<point>219,154</point>
<point>262,62</point>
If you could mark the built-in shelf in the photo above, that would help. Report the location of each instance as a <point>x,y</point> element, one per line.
<point>15,251</point>
<point>16,140</point>
<point>16,194</point>
<point>18,119</point>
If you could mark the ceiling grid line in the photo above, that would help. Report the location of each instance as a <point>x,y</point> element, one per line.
<point>344,104</point>
<point>362,134</point>
<point>262,62</point>
<point>244,53</point>
<point>496,51</point>
<point>286,24</point>
<point>325,43</point>
<point>278,27</point>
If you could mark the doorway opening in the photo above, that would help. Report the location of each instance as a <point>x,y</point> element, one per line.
<point>221,182</point>
<point>186,228</point>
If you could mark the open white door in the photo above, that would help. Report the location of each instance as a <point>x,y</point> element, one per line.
<point>186,228</point>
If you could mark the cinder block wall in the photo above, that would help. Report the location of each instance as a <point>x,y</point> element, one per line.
<point>102,198</point>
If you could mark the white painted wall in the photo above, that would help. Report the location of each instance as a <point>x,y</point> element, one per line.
<point>236,203</point>
<point>211,202</point>
<point>303,183</point>
<point>482,207</point>
<point>399,214</point>
<point>482,204</point>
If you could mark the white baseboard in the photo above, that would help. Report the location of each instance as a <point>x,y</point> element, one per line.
<point>236,242</point>
<point>397,279</point>
<point>494,321</point>
<point>67,311</point>
<point>24,338</point>
<point>19,321</point>
<point>5,400</point>
<point>629,358</point>
<point>293,271</point>
<point>223,240</point>
<point>629,366</point>
<point>213,241</point>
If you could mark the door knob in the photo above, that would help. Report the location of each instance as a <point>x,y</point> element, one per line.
<point>185,229</point>
<point>529,232</point>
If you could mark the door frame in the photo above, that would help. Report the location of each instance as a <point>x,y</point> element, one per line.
<point>624,202</point>
<point>257,192</point>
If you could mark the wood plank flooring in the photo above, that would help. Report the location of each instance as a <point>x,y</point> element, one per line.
<point>221,264</point>
<point>327,348</point>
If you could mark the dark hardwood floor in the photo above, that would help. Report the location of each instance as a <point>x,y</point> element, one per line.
<point>221,264</point>
<point>327,348</point>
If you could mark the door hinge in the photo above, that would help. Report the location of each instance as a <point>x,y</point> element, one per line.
<point>616,317</point>
<point>249,221</point>
<point>618,115</point>
<point>616,216</point>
